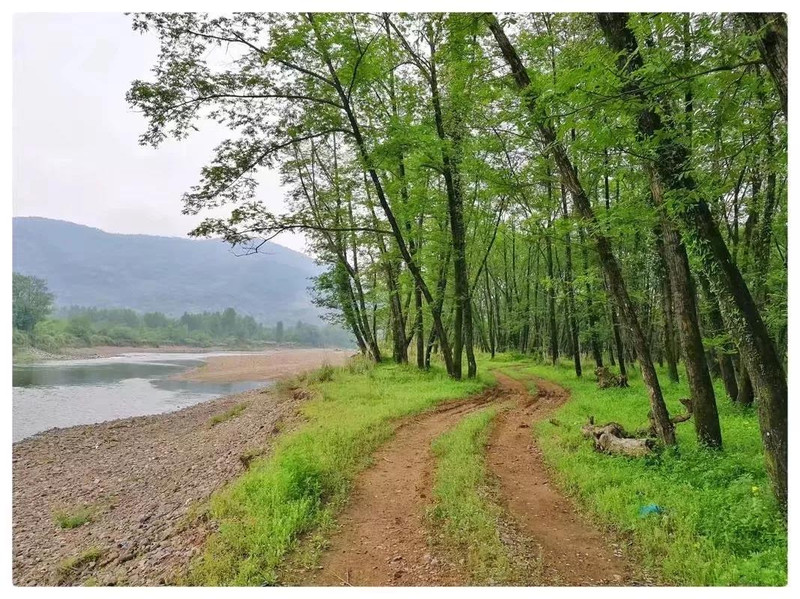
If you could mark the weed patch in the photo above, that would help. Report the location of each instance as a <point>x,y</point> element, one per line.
<point>73,518</point>
<point>73,565</point>
<point>227,415</point>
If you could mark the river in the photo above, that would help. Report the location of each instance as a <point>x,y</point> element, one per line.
<point>72,392</point>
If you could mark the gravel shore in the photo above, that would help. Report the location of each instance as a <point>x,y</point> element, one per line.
<point>140,480</point>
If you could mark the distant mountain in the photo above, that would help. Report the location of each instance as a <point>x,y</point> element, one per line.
<point>89,267</point>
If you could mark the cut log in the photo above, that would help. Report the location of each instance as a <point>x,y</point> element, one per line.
<point>634,448</point>
<point>612,438</point>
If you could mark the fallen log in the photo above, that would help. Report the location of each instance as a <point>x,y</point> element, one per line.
<point>591,431</point>
<point>634,448</point>
<point>612,438</point>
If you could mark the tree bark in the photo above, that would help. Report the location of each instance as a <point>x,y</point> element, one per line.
<point>568,282</point>
<point>772,39</point>
<point>727,369</point>
<point>668,312</point>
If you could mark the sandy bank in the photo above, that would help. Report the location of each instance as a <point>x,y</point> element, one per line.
<point>265,366</point>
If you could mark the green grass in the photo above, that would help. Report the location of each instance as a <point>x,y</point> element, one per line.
<point>463,509</point>
<point>72,565</point>
<point>73,518</point>
<point>228,414</point>
<point>721,525</point>
<point>307,478</point>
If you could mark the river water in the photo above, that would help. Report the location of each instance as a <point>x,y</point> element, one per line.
<point>71,392</point>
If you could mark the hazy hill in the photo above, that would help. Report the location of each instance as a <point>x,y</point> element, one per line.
<point>89,267</point>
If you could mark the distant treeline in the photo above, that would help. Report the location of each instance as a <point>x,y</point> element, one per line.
<point>37,325</point>
<point>78,326</point>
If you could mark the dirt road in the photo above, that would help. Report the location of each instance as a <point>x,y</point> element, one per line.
<point>382,538</point>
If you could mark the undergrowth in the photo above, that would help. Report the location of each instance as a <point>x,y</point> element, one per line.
<point>233,412</point>
<point>73,518</point>
<point>719,523</point>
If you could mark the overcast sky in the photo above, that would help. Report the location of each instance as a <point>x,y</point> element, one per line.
<point>75,151</point>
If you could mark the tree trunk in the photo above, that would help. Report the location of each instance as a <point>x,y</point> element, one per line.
<point>727,370</point>
<point>551,297</point>
<point>663,425</point>
<point>772,38</point>
<point>573,323</point>
<point>668,312</point>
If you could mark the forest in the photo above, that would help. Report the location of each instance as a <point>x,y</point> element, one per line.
<point>605,188</point>
<point>37,324</point>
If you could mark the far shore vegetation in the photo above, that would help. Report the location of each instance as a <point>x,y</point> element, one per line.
<point>40,326</point>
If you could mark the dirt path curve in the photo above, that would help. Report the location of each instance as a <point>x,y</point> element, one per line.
<point>382,539</point>
<point>573,552</point>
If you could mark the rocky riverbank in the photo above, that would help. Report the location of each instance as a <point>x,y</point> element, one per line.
<point>121,502</point>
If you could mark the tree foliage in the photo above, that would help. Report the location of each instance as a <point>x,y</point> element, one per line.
<point>31,302</point>
<point>553,184</point>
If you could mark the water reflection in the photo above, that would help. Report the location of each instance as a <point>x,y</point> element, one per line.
<point>75,392</point>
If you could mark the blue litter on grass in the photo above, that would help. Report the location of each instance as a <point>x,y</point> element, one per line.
<point>652,508</point>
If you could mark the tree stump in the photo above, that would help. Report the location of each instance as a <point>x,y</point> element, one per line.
<point>606,378</point>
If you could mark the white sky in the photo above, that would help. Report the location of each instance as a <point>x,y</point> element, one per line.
<point>75,146</point>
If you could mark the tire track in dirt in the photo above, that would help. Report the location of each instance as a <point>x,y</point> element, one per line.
<point>573,552</point>
<point>382,539</point>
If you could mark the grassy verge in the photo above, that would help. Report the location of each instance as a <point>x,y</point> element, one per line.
<point>720,524</point>
<point>464,512</point>
<point>227,415</point>
<point>307,478</point>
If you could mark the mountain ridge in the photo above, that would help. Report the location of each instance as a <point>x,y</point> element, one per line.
<point>87,266</point>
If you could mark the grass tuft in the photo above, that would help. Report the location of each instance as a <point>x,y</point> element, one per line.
<point>73,565</point>
<point>73,518</point>
<point>228,414</point>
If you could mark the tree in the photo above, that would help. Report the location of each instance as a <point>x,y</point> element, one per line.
<point>668,171</point>
<point>427,183</point>
<point>30,300</point>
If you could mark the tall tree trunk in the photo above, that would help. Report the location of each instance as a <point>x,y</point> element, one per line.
<point>663,425</point>
<point>451,160</point>
<point>746,395</point>
<point>597,350</point>
<point>573,323</point>
<point>668,312</point>
<point>772,39</point>
<point>727,369</point>
<point>551,297</point>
